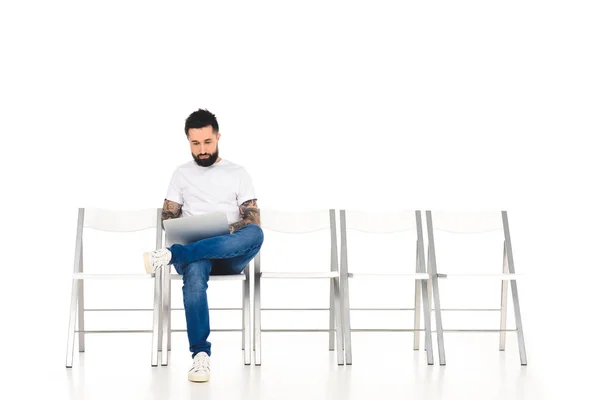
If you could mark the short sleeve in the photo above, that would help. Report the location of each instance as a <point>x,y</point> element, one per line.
<point>174,192</point>
<point>246,189</point>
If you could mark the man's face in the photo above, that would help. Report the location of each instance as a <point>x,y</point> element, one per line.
<point>204,145</point>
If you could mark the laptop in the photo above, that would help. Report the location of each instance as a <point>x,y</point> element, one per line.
<point>185,230</point>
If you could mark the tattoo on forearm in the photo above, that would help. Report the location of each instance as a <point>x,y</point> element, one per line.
<point>250,215</point>
<point>170,210</point>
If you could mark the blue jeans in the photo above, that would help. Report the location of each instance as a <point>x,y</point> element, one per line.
<point>221,255</point>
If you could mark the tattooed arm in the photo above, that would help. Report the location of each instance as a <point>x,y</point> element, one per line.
<point>170,210</point>
<point>250,215</point>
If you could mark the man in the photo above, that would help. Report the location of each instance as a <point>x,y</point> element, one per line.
<point>208,184</point>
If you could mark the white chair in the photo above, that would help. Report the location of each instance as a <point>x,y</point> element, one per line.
<point>166,329</point>
<point>300,223</point>
<point>392,222</point>
<point>475,223</point>
<point>111,221</point>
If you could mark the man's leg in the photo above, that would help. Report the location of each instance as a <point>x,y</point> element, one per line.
<point>243,242</point>
<point>233,266</point>
<point>195,302</point>
<point>197,273</point>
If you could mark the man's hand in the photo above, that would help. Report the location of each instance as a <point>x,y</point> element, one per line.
<point>250,215</point>
<point>170,210</point>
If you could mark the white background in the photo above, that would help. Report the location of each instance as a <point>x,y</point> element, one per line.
<point>450,105</point>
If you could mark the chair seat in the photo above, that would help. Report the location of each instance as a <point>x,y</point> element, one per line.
<point>239,277</point>
<point>367,275</point>
<point>482,276</point>
<point>79,275</point>
<point>299,275</point>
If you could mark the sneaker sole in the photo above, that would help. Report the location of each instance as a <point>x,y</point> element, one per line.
<point>198,378</point>
<point>147,263</point>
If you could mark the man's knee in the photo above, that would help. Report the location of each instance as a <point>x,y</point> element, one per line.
<point>196,275</point>
<point>257,233</point>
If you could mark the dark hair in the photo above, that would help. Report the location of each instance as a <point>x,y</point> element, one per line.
<point>200,119</point>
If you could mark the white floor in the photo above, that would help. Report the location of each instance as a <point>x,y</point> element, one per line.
<point>560,334</point>
<point>299,366</point>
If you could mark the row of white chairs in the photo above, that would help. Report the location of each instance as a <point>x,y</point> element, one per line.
<point>424,273</point>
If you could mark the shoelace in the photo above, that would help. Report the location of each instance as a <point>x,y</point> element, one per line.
<point>160,259</point>
<point>201,363</point>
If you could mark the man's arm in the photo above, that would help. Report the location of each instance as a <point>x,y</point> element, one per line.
<point>250,215</point>
<point>170,210</point>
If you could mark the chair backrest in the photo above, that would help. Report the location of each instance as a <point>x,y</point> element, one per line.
<point>295,222</point>
<point>376,222</point>
<point>487,229</point>
<point>121,220</point>
<point>484,251</point>
<point>315,232</point>
<point>467,222</point>
<point>405,222</point>
<point>117,221</point>
<point>382,243</point>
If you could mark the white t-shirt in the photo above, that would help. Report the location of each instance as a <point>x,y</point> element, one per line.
<point>223,187</point>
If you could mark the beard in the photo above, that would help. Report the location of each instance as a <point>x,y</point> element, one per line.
<point>206,162</point>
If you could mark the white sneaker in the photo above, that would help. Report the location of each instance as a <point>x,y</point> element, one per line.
<point>156,259</point>
<point>200,371</point>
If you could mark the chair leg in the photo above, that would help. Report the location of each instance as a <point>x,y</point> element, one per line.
<point>429,293</point>
<point>432,270</point>
<point>438,321</point>
<point>169,315</point>
<point>246,329</point>
<point>166,311</point>
<point>428,308</point>
<point>339,328</point>
<point>417,316</point>
<point>503,305</point>
<point>257,322</point>
<point>345,305</point>
<point>417,333</point>
<point>518,322</point>
<point>428,286</point>
<point>513,287</point>
<point>422,289</point>
<point>427,320</point>
<point>72,318</point>
<point>244,314</point>
<point>156,320</point>
<point>81,313</point>
<point>80,307</point>
<point>332,312</point>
